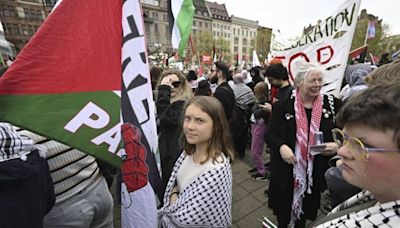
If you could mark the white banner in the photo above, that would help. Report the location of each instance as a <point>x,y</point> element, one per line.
<point>139,204</point>
<point>326,45</point>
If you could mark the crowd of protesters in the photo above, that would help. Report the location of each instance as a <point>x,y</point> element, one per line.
<point>317,143</point>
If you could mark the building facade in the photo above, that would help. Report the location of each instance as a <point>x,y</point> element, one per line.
<point>244,33</point>
<point>157,28</point>
<point>221,22</point>
<point>202,21</point>
<point>22,18</point>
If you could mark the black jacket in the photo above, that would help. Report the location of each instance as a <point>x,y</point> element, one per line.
<point>169,117</point>
<point>225,95</point>
<point>282,130</point>
<point>26,192</point>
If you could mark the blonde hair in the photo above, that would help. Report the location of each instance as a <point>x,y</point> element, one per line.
<point>261,91</point>
<point>185,91</point>
<point>220,141</point>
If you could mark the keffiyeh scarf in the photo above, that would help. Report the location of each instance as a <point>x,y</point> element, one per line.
<point>12,145</point>
<point>378,215</point>
<point>303,168</point>
<point>206,202</point>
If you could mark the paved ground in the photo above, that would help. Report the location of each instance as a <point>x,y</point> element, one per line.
<point>249,201</point>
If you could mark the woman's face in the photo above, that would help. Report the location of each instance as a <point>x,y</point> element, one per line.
<point>197,125</point>
<point>311,85</point>
<point>380,170</point>
<point>175,83</point>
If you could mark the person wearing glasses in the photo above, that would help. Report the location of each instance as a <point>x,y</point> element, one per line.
<point>297,175</point>
<point>173,91</point>
<point>370,150</point>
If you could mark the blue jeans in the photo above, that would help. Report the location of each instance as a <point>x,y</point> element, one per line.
<point>92,207</point>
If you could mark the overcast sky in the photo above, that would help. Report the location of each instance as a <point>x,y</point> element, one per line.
<point>290,16</point>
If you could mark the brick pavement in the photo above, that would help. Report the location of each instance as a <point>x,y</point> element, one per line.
<point>249,201</point>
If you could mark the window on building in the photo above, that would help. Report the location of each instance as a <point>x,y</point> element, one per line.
<point>217,33</point>
<point>39,15</point>
<point>7,28</point>
<point>33,15</point>
<point>156,29</point>
<point>242,32</point>
<point>236,41</point>
<point>214,33</point>
<point>7,10</point>
<point>194,23</point>
<point>15,29</point>
<point>147,29</point>
<point>244,50</point>
<point>234,31</point>
<point>24,30</point>
<point>200,24</point>
<point>26,13</point>
<point>30,30</point>
<point>247,33</point>
<point>206,24</point>
<point>12,11</point>
<point>244,42</point>
<point>3,10</point>
<point>235,49</point>
<point>155,15</point>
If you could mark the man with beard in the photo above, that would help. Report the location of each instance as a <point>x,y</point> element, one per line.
<point>220,74</point>
<point>278,77</point>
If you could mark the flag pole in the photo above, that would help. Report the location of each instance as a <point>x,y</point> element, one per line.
<point>366,35</point>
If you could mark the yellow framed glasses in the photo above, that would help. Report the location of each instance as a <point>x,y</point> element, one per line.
<point>356,146</point>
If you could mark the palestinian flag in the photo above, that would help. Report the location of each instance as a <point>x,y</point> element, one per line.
<point>180,16</point>
<point>63,83</point>
<point>75,84</point>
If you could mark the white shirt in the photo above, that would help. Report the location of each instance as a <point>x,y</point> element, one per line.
<point>189,170</point>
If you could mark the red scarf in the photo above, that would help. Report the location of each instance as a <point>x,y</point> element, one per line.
<point>303,168</point>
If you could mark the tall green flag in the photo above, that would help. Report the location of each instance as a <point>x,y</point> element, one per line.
<point>180,14</point>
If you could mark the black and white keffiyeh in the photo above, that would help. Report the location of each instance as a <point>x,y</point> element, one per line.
<point>13,145</point>
<point>378,215</point>
<point>206,202</point>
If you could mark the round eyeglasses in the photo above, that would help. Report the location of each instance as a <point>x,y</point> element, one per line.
<point>356,146</point>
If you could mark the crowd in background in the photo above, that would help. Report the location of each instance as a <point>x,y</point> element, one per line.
<point>317,143</point>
